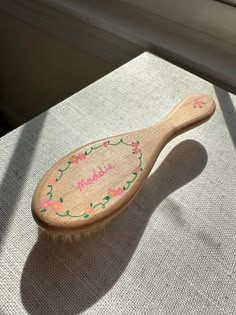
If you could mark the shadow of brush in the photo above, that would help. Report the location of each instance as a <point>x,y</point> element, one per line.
<point>228,111</point>
<point>68,278</point>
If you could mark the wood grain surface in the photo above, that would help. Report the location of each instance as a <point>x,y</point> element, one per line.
<point>95,182</point>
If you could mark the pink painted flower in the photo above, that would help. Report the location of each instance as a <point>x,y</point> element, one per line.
<point>51,182</point>
<point>81,156</point>
<point>111,193</point>
<point>136,150</point>
<point>105,143</point>
<point>56,205</point>
<point>135,147</point>
<point>119,191</point>
<point>74,159</point>
<point>197,103</point>
<point>137,169</point>
<point>134,143</point>
<point>45,204</point>
<point>88,210</point>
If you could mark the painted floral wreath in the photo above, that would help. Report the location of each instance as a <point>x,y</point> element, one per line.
<point>55,205</point>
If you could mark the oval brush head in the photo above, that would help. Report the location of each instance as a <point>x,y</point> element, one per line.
<point>92,184</point>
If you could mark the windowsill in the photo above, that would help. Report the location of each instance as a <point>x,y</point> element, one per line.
<point>199,37</point>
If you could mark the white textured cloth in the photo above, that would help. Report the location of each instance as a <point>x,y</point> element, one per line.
<point>173,251</point>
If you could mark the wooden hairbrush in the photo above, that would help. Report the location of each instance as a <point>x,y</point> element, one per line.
<point>95,182</point>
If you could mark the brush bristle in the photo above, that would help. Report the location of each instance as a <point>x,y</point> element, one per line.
<point>76,236</point>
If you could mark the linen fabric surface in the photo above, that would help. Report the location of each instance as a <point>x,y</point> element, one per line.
<point>172,251</point>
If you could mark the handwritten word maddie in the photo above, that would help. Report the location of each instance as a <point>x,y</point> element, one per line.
<point>96,175</point>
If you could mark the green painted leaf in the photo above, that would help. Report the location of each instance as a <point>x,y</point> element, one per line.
<point>61,200</point>
<point>86,215</point>
<point>141,169</point>
<point>57,179</point>
<point>91,204</point>
<point>86,153</point>
<point>107,198</point>
<point>44,210</point>
<point>67,212</point>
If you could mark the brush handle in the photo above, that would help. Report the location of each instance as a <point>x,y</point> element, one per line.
<point>187,114</point>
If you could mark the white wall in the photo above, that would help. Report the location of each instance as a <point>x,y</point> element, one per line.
<point>39,70</point>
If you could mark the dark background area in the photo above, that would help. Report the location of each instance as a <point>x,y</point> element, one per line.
<point>39,70</point>
<point>5,125</point>
<point>49,52</point>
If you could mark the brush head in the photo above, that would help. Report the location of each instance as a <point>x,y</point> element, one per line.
<point>90,185</point>
<point>94,183</point>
